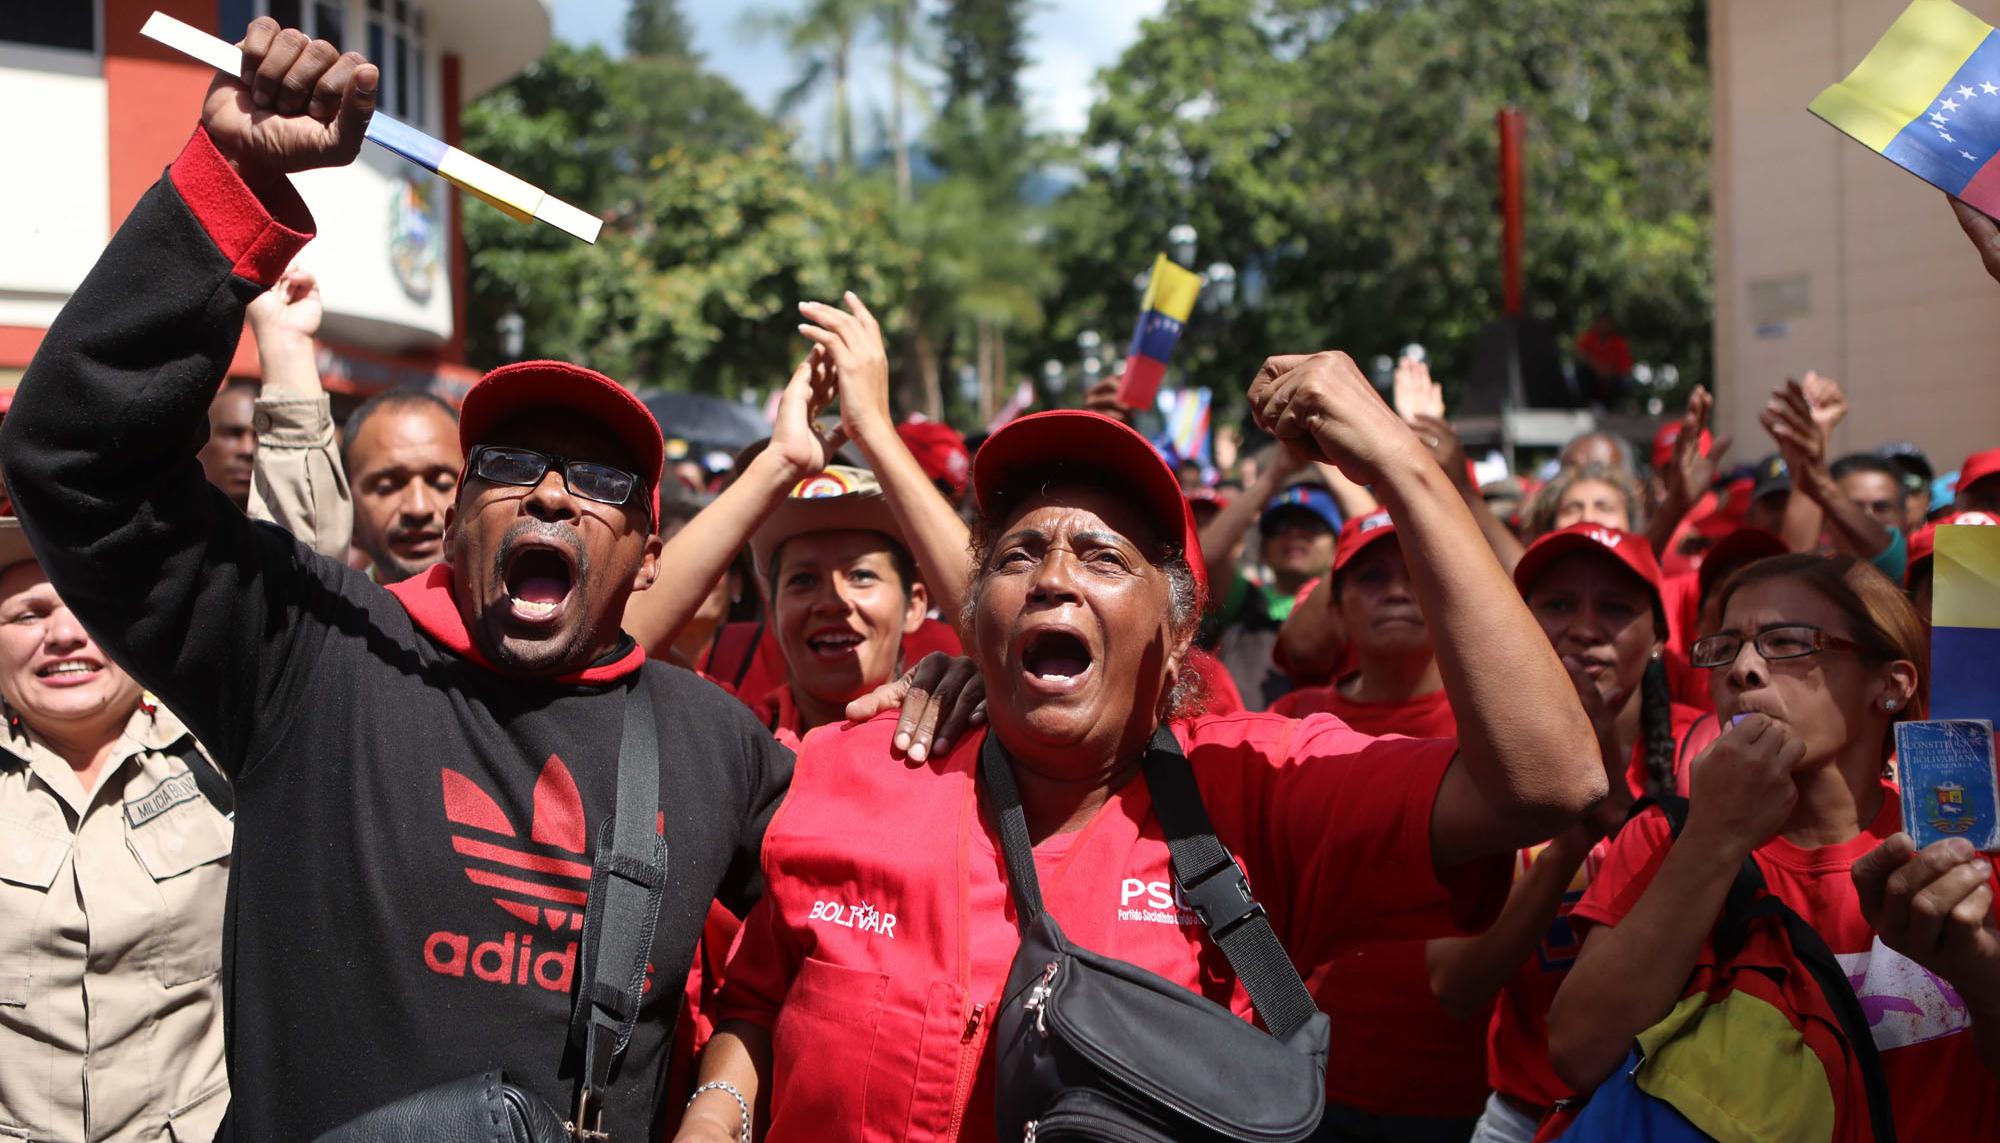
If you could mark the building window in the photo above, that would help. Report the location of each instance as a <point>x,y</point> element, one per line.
<point>396,43</point>
<point>320,19</point>
<point>71,25</point>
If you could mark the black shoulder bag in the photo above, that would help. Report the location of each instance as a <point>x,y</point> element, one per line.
<point>627,879</point>
<point>1092,1048</point>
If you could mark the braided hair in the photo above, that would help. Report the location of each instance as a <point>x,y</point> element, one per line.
<point>1656,729</point>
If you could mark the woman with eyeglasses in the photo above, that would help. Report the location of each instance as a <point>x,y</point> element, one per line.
<point>1815,661</point>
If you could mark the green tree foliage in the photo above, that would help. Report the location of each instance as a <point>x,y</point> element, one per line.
<point>985,49</point>
<point>1345,153</point>
<point>1340,154</point>
<point>713,232</point>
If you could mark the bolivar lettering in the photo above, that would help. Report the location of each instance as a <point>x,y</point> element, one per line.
<point>863,917</point>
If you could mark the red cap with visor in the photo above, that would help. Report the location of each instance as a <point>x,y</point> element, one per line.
<point>1977,467</point>
<point>1358,534</point>
<point>524,385</point>
<point>1627,548</point>
<point>1038,446</point>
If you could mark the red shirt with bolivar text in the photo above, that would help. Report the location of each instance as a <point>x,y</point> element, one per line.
<point>1937,1087</point>
<point>1396,1051</point>
<point>885,932</point>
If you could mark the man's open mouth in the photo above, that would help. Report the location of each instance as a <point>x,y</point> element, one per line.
<point>1056,659</point>
<point>538,582</point>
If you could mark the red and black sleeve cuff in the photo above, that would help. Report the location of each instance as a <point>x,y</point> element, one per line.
<point>243,226</point>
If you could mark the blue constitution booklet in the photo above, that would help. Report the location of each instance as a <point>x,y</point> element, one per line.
<point>1949,788</point>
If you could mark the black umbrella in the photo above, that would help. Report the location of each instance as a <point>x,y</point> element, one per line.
<point>706,422</point>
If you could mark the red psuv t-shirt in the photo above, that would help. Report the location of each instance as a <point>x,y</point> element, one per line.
<point>885,932</point>
<point>1937,1086</point>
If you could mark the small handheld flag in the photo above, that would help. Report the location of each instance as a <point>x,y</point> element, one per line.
<point>1927,98</point>
<point>1170,295</point>
<point>1187,426</point>
<point>514,197</point>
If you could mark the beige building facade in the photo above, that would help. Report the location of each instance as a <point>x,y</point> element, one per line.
<point>1829,257</point>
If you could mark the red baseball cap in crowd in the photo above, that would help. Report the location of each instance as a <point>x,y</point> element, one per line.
<point>1627,548</point>
<point>1923,542</point>
<point>1977,467</point>
<point>1358,534</point>
<point>1207,504</point>
<point>1038,447</point>
<point>560,385</point>
<point>1741,546</point>
<point>1670,435</point>
<point>940,452</point>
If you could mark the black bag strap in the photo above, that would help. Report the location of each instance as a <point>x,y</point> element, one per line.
<point>1749,901</point>
<point>627,880</point>
<point>207,778</point>
<point>1209,878</point>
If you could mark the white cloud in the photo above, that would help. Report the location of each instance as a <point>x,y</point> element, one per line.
<point>1069,44</point>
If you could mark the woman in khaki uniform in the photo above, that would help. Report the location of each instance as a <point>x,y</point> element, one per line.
<point>114,862</point>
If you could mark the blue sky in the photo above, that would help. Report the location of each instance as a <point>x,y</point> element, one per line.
<point>1070,41</point>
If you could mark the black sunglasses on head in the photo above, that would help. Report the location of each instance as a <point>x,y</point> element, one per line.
<point>524,468</point>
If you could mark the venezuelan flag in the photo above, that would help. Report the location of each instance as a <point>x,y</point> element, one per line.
<point>1927,97</point>
<point>1965,623</point>
<point>1170,295</point>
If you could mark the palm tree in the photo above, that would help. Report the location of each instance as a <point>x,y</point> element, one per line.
<point>898,19</point>
<point>821,36</point>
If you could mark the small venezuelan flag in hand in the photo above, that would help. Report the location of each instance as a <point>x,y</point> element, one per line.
<point>1170,295</point>
<point>1927,97</point>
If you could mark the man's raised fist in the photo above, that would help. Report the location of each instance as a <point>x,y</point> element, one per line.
<point>299,103</point>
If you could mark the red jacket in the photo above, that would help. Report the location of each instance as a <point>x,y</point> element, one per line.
<point>885,932</point>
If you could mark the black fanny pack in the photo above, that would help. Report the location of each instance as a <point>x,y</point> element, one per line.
<point>627,878</point>
<point>1092,1048</point>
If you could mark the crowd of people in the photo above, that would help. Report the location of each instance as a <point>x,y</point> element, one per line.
<point>1567,809</point>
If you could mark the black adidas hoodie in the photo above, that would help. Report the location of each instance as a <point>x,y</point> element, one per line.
<point>413,831</point>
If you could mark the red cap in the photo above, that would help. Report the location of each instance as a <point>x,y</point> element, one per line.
<point>558,384</point>
<point>1627,548</point>
<point>1978,466</point>
<point>1027,447</point>
<point>1669,436</point>
<point>1741,546</point>
<point>1923,542</point>
<point>940,452</point>
<point>1358,534</point>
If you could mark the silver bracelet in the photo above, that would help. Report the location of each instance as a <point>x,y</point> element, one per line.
<point>743,1105</point>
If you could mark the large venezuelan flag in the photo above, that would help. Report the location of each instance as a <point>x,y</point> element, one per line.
<point>1171,291</point>
<point>1965,623</point>
<point>1927,97</point>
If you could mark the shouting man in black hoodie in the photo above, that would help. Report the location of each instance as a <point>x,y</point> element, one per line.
<point>421,773</point>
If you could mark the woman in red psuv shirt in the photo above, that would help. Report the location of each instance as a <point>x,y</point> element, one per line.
<point>859,998</point>
<point>1816,659</point>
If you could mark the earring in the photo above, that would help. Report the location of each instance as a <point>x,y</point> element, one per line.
<point>1888,704</point>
